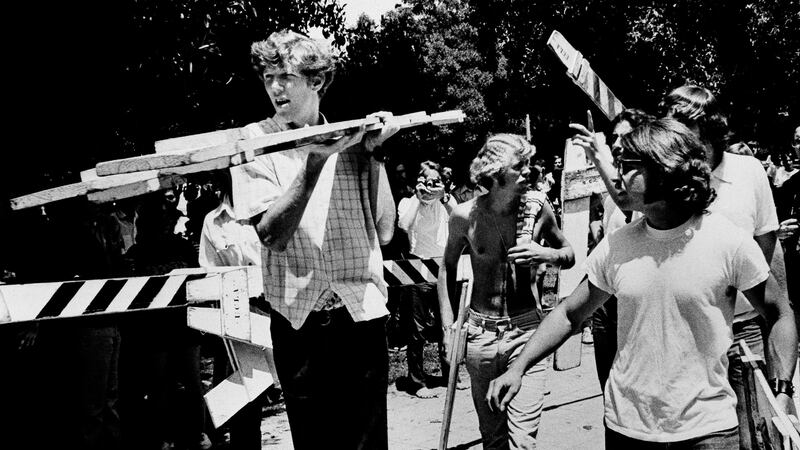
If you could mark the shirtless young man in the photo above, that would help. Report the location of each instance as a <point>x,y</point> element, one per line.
<point>504,312</point>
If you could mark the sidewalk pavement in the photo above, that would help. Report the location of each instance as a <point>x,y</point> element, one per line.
<point>572,417</point>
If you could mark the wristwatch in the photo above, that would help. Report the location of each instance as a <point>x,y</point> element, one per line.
<point>779,386</point>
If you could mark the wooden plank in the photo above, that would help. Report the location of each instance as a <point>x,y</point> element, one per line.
<point>763,407</point>
<point>201,140</point>
<point>235,304</point>
<point>582,183</point>
<point>575,226</point>
<point>49,195</point>
<point>275,141</point>
<point>234,144</point>
<point>581,73</point>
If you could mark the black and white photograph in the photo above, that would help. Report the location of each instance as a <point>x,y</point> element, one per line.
<point>401,224</point>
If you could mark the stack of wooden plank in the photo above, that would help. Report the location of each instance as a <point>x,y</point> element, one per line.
<point>174,158</point>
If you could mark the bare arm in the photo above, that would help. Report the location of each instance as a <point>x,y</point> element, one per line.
<point>381,202</point>
<point>559,253</point>
<point>553,331</point>
<point>781,349</point>
<point>600,158</point>
<point>446,285</point>
<point>277,225</point>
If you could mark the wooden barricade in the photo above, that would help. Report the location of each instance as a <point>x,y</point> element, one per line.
<point>770,427</point>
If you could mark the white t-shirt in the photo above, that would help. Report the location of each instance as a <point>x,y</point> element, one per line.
<point>427,231</point>
<point>669,380</point>
<point>745,198</point>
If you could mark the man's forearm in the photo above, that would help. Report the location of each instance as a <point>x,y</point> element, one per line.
<point>552,332</point>
<point>445,286</point>
<point>277,225</point>
<point>382,202</point>
<point>562,257</point>
<point>782,347</point>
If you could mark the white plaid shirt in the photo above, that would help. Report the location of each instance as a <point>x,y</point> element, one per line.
<point>335,248</point>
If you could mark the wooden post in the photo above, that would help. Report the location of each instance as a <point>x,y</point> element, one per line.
<point>579,181</point>
<point>459,338</point>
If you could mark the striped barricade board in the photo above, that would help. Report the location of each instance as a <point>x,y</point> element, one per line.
<point>65,299</point>
<point>79,298</point>
<point>581,73</point>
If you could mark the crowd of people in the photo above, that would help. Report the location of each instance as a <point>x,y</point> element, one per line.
<point>696,239</point>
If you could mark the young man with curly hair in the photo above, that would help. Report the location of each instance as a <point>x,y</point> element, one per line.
<point>502,231</point>
<point>321,212</point>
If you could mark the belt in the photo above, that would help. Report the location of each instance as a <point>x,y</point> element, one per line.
<point>525,321</point>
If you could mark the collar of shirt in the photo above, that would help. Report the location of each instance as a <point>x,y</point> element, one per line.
<point>223,209</point>
<point>721,172</point>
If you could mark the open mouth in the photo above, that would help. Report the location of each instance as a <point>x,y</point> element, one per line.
<point>281,102</point>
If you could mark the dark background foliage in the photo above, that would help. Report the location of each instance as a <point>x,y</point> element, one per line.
<point>93,81</point>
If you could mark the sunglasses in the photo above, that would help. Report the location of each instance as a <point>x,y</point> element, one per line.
<point>624,164</point>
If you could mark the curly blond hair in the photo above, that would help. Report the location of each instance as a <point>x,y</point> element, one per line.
<point>500,152</point>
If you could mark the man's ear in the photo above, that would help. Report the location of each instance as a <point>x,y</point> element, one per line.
<point>316,81</point>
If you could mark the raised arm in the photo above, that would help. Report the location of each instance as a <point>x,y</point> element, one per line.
<point>601,157</point>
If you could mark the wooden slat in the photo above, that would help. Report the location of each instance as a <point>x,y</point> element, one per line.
<point>201,140</point>
<point>582,183</point>
<point>762,406</point>
<point>575,226</point>
<point>581,73</point>
<point>119,179</point>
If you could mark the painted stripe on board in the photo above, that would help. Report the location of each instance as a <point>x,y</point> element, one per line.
<point>103,298</point>
<point>59,300</point>
<point>82,298</point>
<point>433,266</point>
<point>165,295</point>
<point>389,277</point>
<point>411,271</point>
<point>423,271</point>
<point>148,292</point>
<point>126,295</point>
<point>399,273</point>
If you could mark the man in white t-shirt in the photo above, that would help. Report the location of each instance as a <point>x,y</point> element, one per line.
<point>674,273</point>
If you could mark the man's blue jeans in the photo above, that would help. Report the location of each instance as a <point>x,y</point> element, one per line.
<point>489,354</point>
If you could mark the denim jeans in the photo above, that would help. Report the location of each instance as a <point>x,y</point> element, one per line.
<point>489,353</point>
<point>718,440</point>
<point>750,331</point>
<point>334,374</point>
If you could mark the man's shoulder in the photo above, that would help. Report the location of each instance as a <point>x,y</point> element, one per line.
<point>463,210</point>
